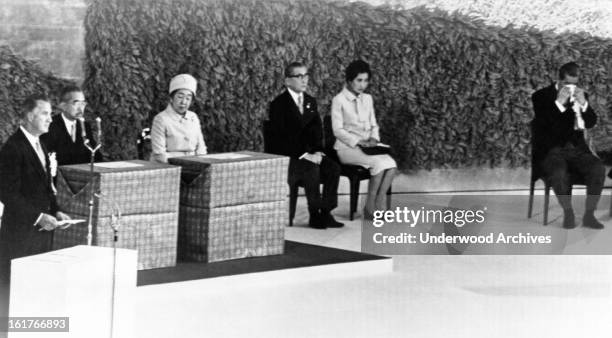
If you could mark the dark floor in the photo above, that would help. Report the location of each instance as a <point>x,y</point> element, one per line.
<point>297,255</point>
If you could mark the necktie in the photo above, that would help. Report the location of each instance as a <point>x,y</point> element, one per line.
<point>301,104</point>
<point>73,132</point>
<point>41,154</point>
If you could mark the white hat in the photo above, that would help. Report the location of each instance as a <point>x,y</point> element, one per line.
<point>183,81</point>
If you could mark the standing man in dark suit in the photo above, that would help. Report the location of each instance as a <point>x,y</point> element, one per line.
<point>65,133</point>
<point>562,113</point>
<point>30,209</point>
<point>298,133</point>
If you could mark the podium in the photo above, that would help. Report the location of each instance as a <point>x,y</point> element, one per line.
<point>93,286</point>
<point>145,193</point>
<point>232,205</point>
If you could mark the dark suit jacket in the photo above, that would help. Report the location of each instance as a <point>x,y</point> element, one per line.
<point>58,140</point>
<point>25,191</point>
<point>294,134</point>
<point>551,128</point>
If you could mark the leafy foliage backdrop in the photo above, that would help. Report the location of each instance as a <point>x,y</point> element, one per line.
<point>449,91</point>
<point>20,78</point>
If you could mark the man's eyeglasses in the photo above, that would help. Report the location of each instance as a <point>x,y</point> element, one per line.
<point>300,76</point>
<point>77,104</point>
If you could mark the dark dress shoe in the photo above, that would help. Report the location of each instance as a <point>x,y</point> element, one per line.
<point>329,221</point>
<point>569,221</point>
<point>316,221</point>
<point>589,221</point>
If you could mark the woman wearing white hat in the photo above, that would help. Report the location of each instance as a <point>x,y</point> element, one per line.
<point>176,131</point>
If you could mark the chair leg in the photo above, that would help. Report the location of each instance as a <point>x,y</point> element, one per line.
<point>546,200</point>
<point>293,193</point>
<point>610,206</point>
<point>354,183</point>
<point>389,193</point>
<point>530,206</point>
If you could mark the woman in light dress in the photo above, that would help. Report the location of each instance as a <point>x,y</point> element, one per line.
<point>176,131</point>
<point>354,125</point>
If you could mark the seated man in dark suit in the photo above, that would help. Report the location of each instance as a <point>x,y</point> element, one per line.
<point>30,209</point>
<point>298,133</point>
<point>562,113</point>
<point>65,136</point>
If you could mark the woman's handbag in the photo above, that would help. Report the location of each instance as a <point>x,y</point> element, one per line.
<point>379,149</point>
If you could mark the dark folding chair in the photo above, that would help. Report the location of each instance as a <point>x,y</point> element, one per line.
<point>143,144</point>
<point>574,179</point>
<point>354,173</point>
<point>536,175</point>
<point>610,176</point>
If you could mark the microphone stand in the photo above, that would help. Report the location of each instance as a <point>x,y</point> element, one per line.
<point>115,213</point>
<point>115,216</point>
<point>115,225</point>
<point>92,151</point>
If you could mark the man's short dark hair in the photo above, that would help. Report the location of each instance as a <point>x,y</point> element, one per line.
<point>570,68</point>
<point>31,102</point>
<point>290,67</point>
<point>355,68</point>
<point>67,90</point>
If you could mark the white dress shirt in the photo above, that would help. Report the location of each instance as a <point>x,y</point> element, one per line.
<point>297,98</point>
<point>69,125</point>
<point>34,141</point>
<point>38,150</point>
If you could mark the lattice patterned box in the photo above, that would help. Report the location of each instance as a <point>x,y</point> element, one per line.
<point>146,194</point>
<point>226,179</point>
<point>217,234</point>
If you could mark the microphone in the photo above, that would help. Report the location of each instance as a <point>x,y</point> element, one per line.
<point>83,133</point>
<point>99,127</point>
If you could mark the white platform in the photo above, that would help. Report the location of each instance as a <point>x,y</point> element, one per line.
<point>93,286</point>
<point>424,297</point>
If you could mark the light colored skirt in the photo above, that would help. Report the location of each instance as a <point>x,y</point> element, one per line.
<point>375,163</point>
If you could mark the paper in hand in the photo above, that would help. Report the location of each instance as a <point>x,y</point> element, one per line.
<point>67,223</point>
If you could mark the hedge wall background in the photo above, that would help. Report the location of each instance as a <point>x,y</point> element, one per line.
<point>18,79</point>
<point>449,91</point>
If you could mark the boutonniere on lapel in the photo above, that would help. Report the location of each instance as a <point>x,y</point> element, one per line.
<point>53,170</point>
<point>307,105</point>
